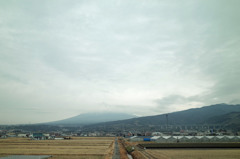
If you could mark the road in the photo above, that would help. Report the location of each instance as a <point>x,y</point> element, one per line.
<point>116,154</point>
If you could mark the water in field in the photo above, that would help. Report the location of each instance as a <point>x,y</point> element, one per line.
<point>129,156</point>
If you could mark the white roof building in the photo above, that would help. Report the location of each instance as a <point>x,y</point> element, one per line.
<point>196,139</point>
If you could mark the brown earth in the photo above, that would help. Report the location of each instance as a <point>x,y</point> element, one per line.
<point>78,147</point>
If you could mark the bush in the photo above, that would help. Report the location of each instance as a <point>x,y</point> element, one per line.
<point>130,149</point>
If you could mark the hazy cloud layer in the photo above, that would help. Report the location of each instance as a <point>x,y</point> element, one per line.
<point>61,58</point>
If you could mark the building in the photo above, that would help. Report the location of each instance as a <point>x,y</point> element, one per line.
<point>38,136</point>
<point>196,139</point>
<point>22,135</point>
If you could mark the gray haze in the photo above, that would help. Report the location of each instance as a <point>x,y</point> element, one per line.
<point>61,58</point>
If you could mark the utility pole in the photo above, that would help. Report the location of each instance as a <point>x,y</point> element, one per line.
<point>167,121</point>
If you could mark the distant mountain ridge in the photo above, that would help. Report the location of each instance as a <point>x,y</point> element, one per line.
<point>223,115</point>
<point>194,116</point>
<point>91,118</point>
<point>230,120</point>
<point>200,115</point>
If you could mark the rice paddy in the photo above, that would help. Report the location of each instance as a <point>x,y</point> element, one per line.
<point>78,147</point>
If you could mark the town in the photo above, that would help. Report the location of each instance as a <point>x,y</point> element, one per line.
<point>51,133</point>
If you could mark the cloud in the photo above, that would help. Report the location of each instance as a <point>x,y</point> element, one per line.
<point>150,57</point>
<point>175,102</point>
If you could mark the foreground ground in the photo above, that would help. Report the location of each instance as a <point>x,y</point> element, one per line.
<point>103,148</point>
<point>194,154</point>
<point>181,153</point>
<point>79,147</point>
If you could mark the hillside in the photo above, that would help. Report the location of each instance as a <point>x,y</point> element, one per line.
<point>196,116</point>
<point>230,120</point>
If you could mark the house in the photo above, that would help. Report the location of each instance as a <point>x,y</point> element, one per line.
<point>38,136</point>
<point>22,135</point>
<point>157,134</point>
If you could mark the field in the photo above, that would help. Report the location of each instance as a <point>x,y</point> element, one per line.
<point>189,145</point>
<point>78,147</point>
<point>183,151</point>
<point>193,153</point>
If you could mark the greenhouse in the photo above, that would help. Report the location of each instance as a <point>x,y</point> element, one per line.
<point>195,139</point>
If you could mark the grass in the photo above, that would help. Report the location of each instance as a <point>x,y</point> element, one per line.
<point>78,147</point>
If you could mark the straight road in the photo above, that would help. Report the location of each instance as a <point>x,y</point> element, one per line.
<point>116,154</point>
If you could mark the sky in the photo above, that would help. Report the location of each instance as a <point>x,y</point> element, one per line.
<point>61,58</point>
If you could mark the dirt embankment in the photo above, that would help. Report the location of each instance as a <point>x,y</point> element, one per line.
<point>128,147</point>
<point>123,152</point>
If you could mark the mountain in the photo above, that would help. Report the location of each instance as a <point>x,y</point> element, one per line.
<point>200,115</point>
<point>230,120</point>
<point>91,118</point>
<point>195,116</point>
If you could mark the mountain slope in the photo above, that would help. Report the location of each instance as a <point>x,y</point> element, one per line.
<point>91,118</point>
<point>230,120</point>
<point>187,117</point>
<point>199,115</point>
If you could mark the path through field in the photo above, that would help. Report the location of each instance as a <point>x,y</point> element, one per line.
<point>116,154</point>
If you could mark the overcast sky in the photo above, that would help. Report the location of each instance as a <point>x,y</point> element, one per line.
<point>61,58</point>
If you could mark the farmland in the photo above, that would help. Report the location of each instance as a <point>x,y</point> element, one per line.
<point>184,150</point>
<point>192,153</point>
<point>78,147</point>
<point>189,145</point>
